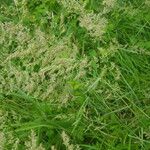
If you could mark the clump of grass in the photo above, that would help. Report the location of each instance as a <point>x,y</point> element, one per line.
<point>74,75</point>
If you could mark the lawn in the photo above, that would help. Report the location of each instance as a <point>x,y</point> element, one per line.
<point>74,75</point>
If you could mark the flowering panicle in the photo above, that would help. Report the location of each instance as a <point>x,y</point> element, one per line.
<point>72,5</point>
<point>147,2</point>
<point>46,62</point>
<point>66,142</point>
<point>32,143</point>
<point>2,135</point>
<point>109,3</point>
<point>94,23</point>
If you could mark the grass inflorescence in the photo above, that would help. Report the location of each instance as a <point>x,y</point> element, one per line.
<point>74,74</point>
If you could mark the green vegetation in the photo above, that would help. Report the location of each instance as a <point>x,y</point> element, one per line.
<point>75,75</point>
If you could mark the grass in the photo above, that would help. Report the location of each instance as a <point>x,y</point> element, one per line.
<point>75,75</point>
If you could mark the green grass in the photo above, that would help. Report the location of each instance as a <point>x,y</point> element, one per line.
<point>67,82</point>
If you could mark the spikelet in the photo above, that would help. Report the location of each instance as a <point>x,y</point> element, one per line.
<point>2,136</point>
<point>15,145</point>
<point>8,139</point>
<point>16,2</point>
<point>2,140</point>
<point>147,3</point>
<point>32,143</point>
<point>53,148</point>
<point>66,142</point>
<point>82,70</point>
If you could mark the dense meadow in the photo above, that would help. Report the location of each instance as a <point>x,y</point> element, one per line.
<point>74,74</point>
